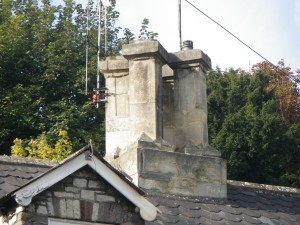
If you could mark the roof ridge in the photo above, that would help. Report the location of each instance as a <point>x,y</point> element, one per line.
<point>5,159</point>
<point>266,187</point>
<point>195,199</point>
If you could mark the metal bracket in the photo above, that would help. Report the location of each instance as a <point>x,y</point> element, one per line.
<point>88,155</point>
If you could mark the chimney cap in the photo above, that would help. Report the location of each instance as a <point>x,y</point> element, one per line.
<point>187,45</point>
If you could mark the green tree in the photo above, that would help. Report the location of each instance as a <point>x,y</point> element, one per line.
<point>41,149</point>
<point>41,74</point>
<point>246,126</point>
<point>145,33</point>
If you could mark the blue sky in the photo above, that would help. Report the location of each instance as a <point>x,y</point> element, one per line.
<point>271,27</point>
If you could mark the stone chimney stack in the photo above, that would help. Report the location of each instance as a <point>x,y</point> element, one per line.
<point>156,120</point>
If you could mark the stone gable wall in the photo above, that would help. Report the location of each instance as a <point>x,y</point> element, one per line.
<point>83,196</point>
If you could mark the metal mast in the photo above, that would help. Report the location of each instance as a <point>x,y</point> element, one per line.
<point>98,48</point>
<point>105,27</point>
<point>179,24</point>
<point>87,47</point>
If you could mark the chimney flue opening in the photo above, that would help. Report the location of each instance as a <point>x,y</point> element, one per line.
<point>187,45</point>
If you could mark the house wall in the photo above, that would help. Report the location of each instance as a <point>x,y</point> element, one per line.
<point>11,214</point>
<point>83,196</point>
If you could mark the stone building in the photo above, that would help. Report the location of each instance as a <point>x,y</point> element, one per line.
<point>158,167</point>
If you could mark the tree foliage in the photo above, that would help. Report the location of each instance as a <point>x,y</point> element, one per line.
<point>42,74</point>
<point>145,33</point>
<point>247,125</point>
<point>40,148</point>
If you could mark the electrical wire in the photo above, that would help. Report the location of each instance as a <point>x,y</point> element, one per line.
<point>264,58</point>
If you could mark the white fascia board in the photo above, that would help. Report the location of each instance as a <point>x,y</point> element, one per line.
<point>147,210</point>
<point>24,195</point>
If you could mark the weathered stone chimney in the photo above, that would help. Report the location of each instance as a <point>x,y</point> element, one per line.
<point>156,120</point>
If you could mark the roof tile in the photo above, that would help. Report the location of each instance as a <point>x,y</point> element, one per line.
<point>250,219</point>
<point>210,215</point>
<point>167,218</point>
<point>270,215</point>
<point>269,207</point>
<point>169,211</point>
<point>287,216</point>
<point>248,205</point>
<point>205,221</point>
<point>161,201</point>
<point>244,205</point>
<point>250,212</point>
<point>210,207</point>
<point>230,217</point>
<point>231,210</point>
<point>188,221</point>
<point>190,212</point>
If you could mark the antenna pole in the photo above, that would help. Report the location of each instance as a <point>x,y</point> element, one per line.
<point>179,24</point>
<point>87,47</point>
<point>105,27</point>
<point>98,47</point>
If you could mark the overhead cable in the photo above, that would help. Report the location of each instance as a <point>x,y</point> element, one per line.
<point>268,61</point>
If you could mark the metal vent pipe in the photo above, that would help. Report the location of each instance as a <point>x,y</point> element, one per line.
<point>187,45</point>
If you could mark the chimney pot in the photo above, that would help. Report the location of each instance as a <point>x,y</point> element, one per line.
<point>187,45</point>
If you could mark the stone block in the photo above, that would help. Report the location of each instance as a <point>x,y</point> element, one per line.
<point>95,212</point>
<point>87,194</point>
<point>94,184</point>
<point>169,134</point>
<point>13,220</point>
<point>114,140</point>
<point>72,189</point>
<point>62,208</point>
<point>69,208</point>
<point>50,207</point>
<point>76,209</point>
<point>158,164</point>
<point>176,173</point>
<point>73,209</point>
<point>128,162</point>
<point>121,85</point>
<point>140,125</point>
<point>113,213</point>
<point>151,184</point>
<point>110,107</point>
<point>122,105</point>
<point>105,198</point>
<point>144,48</point>
<point>115,123</point>
<point>143,85</point>
<point>86,209</point>
<point>80,182</point>
<point>41,209</point>
<point>189,57</point>
<point>60,194</point>
<point>117,63</point>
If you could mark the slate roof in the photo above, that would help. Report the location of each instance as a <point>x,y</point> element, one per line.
<point>17,171</point>
<point>246,203</point>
